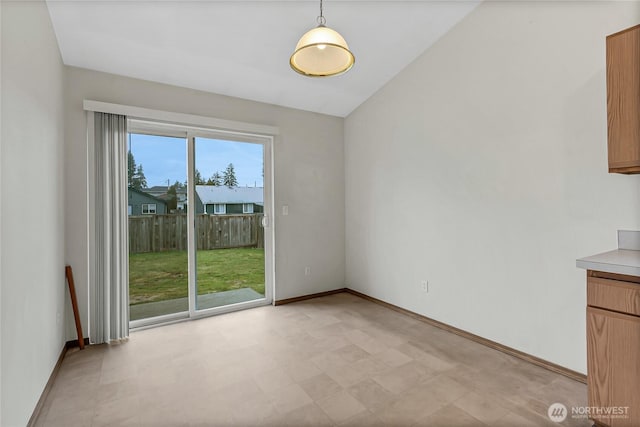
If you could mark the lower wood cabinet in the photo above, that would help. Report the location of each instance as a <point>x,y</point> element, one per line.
<point>613,351</point>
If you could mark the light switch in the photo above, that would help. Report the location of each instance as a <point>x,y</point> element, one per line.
<point>285,209</point>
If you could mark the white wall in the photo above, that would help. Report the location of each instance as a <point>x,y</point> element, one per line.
<point>482,168</point>
<point>32,226</point>
<point>309,176</point>
<point>0,213</point>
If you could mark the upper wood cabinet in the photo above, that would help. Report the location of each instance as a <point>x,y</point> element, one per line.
<point>623,100</point>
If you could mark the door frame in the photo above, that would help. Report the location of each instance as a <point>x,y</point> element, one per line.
<point>189,133</point>
<point>269,235</point>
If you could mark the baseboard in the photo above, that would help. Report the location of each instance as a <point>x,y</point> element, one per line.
<point>577,376</point>
<point>47,388</point>
<point>74,343</point>
<point>310,296</point>
<point>54,373</point>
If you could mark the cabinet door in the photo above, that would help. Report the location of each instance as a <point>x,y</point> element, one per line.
<point>613,364</point>
<point>623,100</point>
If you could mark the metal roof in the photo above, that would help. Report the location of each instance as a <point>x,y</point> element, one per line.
<point>144,193</point>
<point>163,189</point>
<point>210,194</point>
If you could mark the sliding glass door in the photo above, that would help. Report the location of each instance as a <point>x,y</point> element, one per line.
<point>200,241</point>
<point>158,250</point>
<point>229,242</point>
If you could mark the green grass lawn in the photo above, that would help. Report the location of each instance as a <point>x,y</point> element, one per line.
<point>159,276</point>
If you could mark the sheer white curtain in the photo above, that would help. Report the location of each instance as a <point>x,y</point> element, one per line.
<point>109,288</point>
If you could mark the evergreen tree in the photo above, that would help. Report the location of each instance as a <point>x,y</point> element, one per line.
<point>135,173</point>
<point>131,167</point>
<point>138,181</point>
<point>229,176</point>
<point>215,180</point>
<point>172,199</point>
<point>198,178</point>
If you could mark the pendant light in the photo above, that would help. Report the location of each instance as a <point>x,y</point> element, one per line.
<point>322,52</point>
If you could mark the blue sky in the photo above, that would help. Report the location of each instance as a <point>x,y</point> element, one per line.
<point>165,158</point>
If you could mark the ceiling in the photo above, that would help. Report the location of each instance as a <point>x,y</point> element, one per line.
<point>242,48</point>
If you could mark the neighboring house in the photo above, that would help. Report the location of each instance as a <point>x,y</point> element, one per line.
<point>220,200</point>
<point>142,203</point>
<point>160,191</point>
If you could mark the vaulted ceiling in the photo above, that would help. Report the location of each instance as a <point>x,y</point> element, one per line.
<point>242,48</point>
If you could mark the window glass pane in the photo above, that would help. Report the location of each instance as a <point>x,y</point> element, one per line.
<point>158,271</point>
<point>229,261</point>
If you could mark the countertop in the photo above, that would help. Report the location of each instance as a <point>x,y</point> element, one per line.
<point>619,261</point>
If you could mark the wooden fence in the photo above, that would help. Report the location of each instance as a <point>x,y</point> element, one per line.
<point>156,233</point>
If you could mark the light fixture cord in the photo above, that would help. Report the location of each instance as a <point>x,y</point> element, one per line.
<point>321,19</point>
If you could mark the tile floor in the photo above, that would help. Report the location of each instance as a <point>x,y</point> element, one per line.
<point>331,361</point>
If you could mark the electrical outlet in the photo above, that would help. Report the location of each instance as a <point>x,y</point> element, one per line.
<point>307,271</point>
<point>425,285</point>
